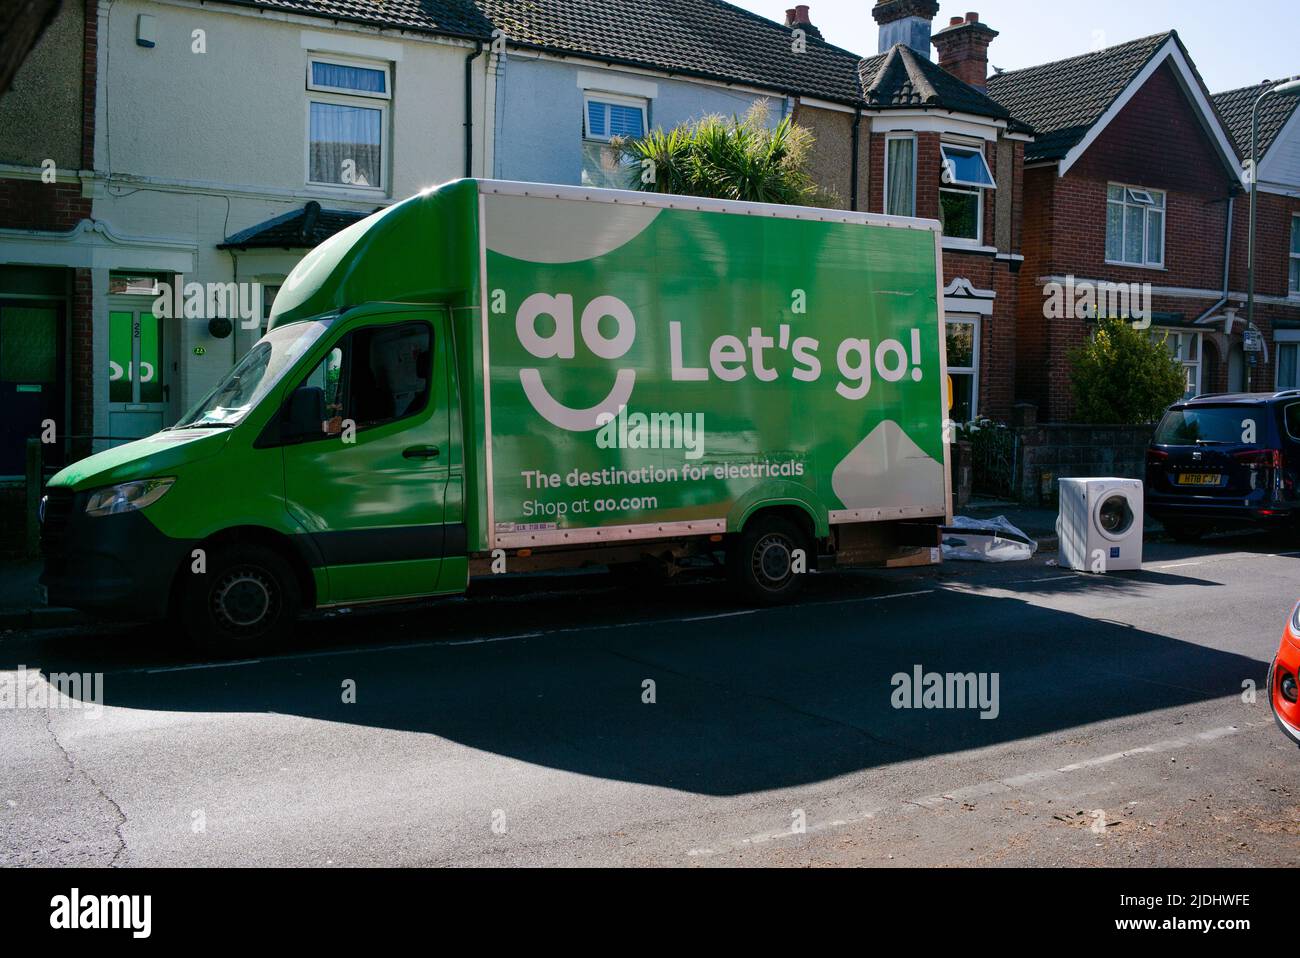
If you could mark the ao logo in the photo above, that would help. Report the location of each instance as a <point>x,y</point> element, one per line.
<point>560,345</point>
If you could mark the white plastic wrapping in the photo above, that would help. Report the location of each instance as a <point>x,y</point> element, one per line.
<point>986,540</point>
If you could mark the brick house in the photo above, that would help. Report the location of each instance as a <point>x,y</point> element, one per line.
<point>1132,179</point>
<point>961,155</point>
<point>1277,237</point>
<point>47,132</point>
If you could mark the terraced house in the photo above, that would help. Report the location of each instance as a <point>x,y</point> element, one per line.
<point>1131,182</point>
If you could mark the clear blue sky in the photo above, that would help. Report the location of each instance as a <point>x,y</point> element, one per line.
<point>1233,44</point>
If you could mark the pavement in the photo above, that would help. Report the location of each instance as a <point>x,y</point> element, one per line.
<point>590,724</point>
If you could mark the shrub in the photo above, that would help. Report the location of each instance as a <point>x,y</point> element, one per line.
<point>736,159</point>
<point>1124,376</point>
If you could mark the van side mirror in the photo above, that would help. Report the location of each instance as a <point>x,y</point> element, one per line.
<point>303,413</point>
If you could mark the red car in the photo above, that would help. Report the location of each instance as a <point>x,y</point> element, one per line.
<point>1283,679</point>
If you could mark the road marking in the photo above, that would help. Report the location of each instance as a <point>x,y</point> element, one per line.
<point>1178,565</point>
<point>1052,578</point>
<point>191,668</point>
<point>485,640</point>
<point>967,793</point>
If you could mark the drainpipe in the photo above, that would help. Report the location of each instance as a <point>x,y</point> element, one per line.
<point>469,107</point>
<point>853,163</point>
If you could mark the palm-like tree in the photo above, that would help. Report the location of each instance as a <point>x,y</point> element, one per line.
<point>738,159</point>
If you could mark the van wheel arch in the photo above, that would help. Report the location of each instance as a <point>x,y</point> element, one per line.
<point>252,535</point>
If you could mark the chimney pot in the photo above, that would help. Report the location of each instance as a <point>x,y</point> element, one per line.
<point>963,49</point>
<point>789,17</point>
<point>801,14</point>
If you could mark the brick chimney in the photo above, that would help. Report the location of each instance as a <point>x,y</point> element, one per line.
<point>906,22</point>
<point>963,47</point>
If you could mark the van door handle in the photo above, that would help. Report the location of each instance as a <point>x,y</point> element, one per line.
<point>421,452</point>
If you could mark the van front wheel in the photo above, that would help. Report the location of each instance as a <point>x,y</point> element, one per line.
<point>768,562</point>
<point>248,598</point>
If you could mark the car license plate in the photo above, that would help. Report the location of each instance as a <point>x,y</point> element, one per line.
<point>1199,479</point>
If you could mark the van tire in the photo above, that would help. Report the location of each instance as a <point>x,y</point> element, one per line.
<point>246,601</point>
<point>760,561</point>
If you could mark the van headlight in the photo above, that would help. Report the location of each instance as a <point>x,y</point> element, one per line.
<point>127,497</point>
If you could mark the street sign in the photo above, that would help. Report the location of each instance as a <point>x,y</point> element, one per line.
<point>1252,341</point>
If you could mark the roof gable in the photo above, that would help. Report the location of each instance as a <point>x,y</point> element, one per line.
<point>1070,102</point>
<point>900,78</point>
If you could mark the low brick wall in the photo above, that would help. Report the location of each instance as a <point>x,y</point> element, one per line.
<point>1048,452</point>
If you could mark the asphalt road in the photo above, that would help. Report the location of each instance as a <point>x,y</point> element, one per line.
<point>514,729</point>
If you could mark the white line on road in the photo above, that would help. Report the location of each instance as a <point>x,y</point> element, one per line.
<point>983,789</point>
<point>484,640</point>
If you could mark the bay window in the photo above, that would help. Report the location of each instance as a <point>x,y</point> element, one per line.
<point>900,175</point>
<point>965,177</point>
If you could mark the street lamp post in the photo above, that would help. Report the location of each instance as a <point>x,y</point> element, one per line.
<point>1289,87</point>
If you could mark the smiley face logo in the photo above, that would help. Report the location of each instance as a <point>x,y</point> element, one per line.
<point>560,345</point>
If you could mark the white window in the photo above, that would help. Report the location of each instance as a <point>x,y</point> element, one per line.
<point>1293,283</point>
<point>1286,368</point>
<point>900,175</point>
<point>1135,226</point>
<point>965,176</point>
<point>604,117</point>
<point>347,122</point>
<point>962,344</point>
<point>1185,347</point>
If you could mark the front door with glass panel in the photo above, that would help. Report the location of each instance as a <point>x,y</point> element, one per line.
<point>31,379</point>
<point>138,391</point>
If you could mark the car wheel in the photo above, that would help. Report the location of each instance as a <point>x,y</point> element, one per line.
<point>246,600</point>
<point>762,562</point>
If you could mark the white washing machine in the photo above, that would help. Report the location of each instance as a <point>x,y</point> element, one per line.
<point>1100,524</point>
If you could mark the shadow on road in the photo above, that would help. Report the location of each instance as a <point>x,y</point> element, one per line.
<point>744,700</point>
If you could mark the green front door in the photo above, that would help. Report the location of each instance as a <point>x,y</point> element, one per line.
<point>370,487</point>
<point>31,380</point>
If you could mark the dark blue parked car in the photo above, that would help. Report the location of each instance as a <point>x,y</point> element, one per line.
<point>1225,459</point>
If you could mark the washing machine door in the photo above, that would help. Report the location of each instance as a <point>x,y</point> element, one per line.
<point>1112,514</point>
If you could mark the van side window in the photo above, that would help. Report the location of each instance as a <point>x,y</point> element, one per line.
<point>1292,416</point>
<point>374,376</point>
<point>390,372</point>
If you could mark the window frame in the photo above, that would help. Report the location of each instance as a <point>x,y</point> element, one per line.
<point>346,343</point>
<point>1172,332</point>
<point>978,238</point>
<point>974,321</point>
<point>1293,257</point>
<point>977,150</point>
<point>355,98</point>
<point>884,205</point>
<point>341,61</point>
<point>1130,201</point>
<point>614,99</point>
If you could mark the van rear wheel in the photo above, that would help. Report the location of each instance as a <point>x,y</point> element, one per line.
<point>764,562</point>
<point>246,600</point>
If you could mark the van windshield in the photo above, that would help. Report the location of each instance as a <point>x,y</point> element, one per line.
<point>1214,425</point>
<point>254,376</point>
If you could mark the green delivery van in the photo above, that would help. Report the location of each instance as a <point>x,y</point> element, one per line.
<point>495,376</point>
